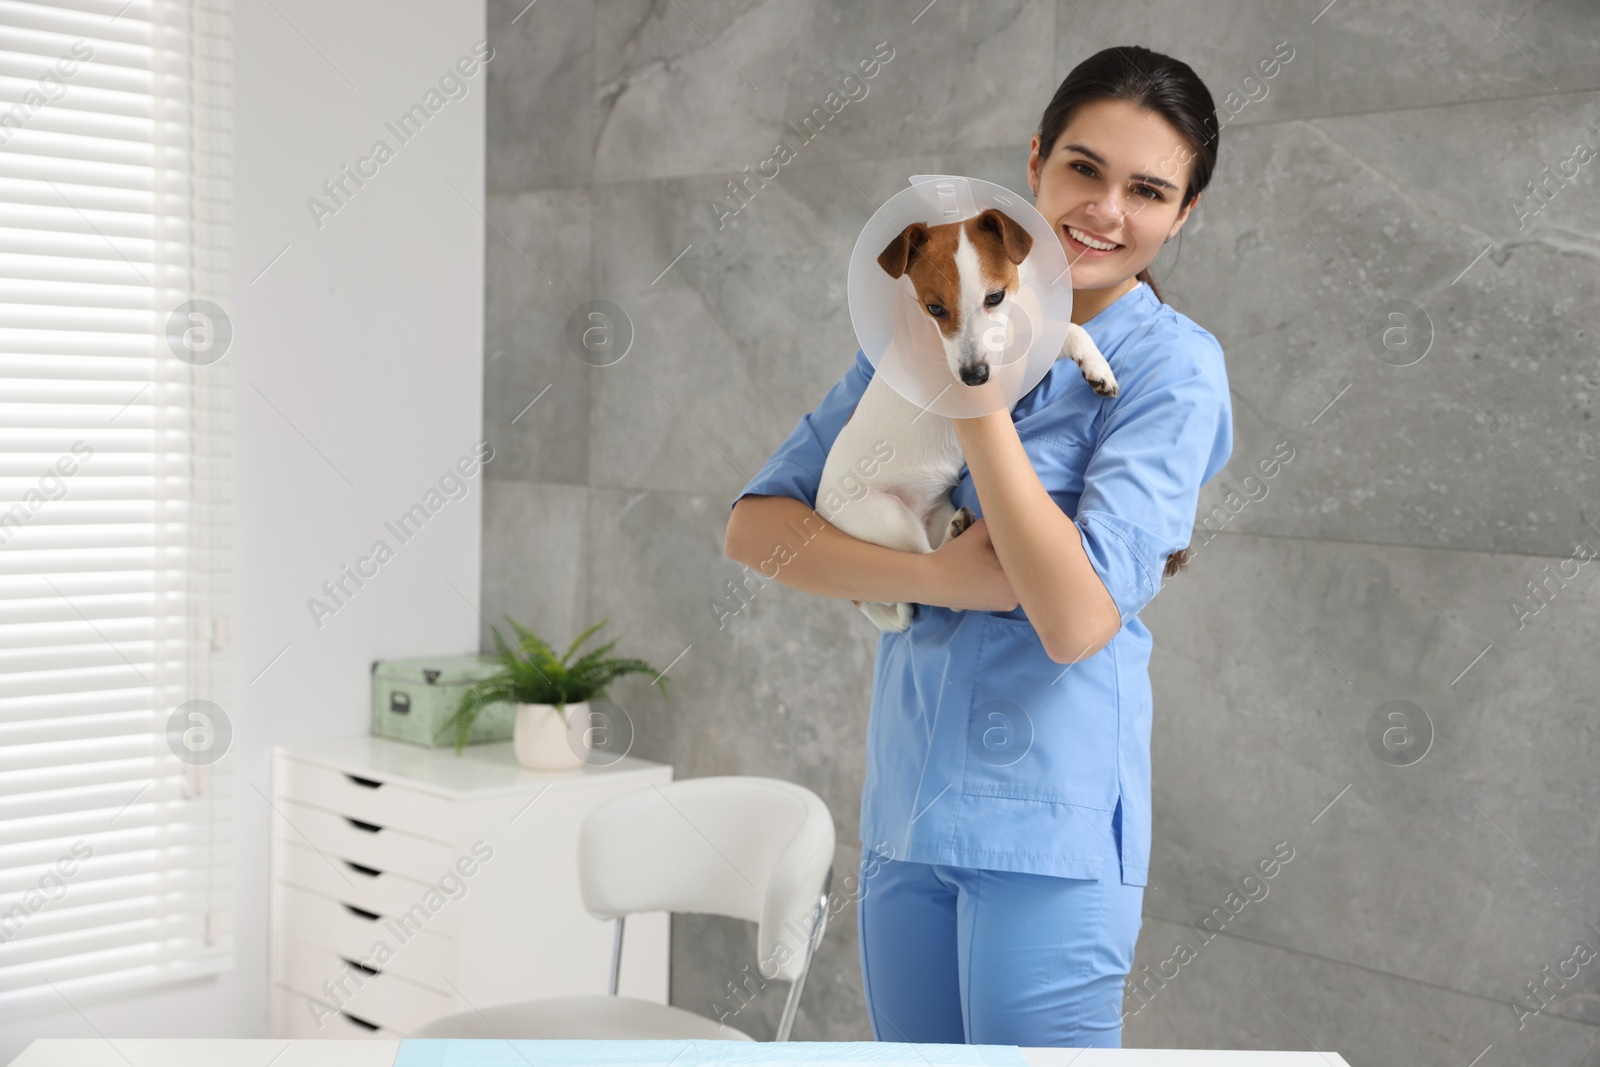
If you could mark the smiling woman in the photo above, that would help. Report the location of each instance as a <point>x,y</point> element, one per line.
<point>1008,740</point>
<point>1055,837</point>
<point>1118,184</point>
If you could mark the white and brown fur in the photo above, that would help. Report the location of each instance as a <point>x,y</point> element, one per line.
<point>904,503</point>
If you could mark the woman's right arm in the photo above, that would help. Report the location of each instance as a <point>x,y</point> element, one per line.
<point>780,537</point>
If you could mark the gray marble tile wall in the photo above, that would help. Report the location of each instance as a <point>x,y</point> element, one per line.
<point>1424,544</point>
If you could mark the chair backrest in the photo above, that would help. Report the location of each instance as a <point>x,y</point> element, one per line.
<point>745,847</point>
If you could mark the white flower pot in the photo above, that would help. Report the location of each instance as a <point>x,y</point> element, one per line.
<point>543,742</point>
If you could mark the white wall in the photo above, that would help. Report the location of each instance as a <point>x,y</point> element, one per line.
<point>367,335</point>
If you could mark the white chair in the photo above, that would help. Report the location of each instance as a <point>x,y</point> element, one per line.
<point>759,849</point>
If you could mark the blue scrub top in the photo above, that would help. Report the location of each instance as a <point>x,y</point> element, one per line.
<point>982,751</point>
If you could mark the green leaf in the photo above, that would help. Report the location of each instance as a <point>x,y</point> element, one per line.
<point>530,673</point>
<point>581,638</point>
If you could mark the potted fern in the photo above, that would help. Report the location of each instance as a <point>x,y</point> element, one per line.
<point>547,691</point>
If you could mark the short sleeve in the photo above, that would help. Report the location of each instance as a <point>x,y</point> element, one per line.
<point>1161,442</point>
<point>795,469</point>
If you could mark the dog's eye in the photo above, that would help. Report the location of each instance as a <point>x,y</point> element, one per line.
<point>994,298</point>
<point>936,310</point>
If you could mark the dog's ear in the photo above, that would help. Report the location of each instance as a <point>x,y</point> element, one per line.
<point>1013,237</point>
<point>896,258</point>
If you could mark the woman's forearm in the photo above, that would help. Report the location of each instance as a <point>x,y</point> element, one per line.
<point>780,537</point>
<point>1040,548</point>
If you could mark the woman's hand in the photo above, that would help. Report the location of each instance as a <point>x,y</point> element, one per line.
<point>967,575</point>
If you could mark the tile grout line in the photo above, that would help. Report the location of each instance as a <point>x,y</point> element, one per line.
<point>1223,533</point>
<point>1370,970</point>
<point>990,149</point>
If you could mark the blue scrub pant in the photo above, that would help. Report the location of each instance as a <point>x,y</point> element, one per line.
<point>968,955</point>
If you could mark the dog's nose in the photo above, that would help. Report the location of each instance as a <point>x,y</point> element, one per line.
<point>975,375</point>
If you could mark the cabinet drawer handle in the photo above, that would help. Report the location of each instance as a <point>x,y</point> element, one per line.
<point>372,872</point>
<point>370,783</point>
<point>359,1021</point>
<point>369,827</point>
<point>363,968</point>
<point>364,913</point>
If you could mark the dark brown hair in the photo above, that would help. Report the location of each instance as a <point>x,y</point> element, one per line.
<point>1150,80</point>
<point>1170,88</point>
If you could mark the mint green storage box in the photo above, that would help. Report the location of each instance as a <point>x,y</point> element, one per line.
<point>413,698</point>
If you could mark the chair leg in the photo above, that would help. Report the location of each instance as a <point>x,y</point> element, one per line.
<point>820,921</point>
<point>616,957</point>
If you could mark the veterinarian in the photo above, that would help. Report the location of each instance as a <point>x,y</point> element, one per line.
<point>1005,817</point>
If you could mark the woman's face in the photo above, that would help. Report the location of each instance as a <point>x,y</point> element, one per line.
<point>1116,173</point>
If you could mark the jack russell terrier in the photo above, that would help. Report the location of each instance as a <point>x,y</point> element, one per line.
<point>961,270</point>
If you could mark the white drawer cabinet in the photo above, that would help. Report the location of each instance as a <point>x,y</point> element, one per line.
<point>410,883</point>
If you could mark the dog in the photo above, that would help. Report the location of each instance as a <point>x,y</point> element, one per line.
<point>961,271</point>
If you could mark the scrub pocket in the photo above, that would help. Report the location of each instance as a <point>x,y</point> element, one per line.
<point>1038,729</point>
<point>1039,784</point>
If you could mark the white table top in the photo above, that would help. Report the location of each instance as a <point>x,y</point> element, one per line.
<point>279,1052</point>
<point>205,1052</point>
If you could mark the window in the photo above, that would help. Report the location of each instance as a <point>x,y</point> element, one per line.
<point>116,800</point>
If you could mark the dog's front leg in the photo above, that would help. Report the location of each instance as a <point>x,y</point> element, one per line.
<point>1081,349</point>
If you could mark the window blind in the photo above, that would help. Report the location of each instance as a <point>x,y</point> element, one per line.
<point>115,816</point>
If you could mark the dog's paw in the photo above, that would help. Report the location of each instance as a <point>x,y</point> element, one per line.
<point>960,521</point>
<point>1081,349</point>
<point>1101,379</point>
<point>890,618</point>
